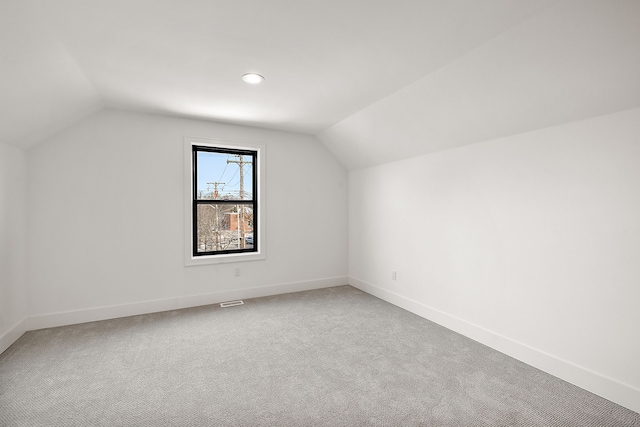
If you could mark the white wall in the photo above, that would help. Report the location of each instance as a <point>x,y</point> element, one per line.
<point>13,252</point>
<point>106,219</point>
<point>529,244</point>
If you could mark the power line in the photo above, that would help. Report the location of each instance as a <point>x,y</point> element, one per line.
<point>225,169</point>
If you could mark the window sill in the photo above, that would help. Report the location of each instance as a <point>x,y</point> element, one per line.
<point>191,261</point>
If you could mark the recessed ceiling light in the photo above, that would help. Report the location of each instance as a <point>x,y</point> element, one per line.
<point>253,78</point>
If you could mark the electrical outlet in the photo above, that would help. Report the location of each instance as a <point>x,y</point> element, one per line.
<point>394,275</point>
<point>237,271</point>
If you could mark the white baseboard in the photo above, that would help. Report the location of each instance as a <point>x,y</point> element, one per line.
<point>12,334</point>
<point>601,385</point>
<point>51,320</point>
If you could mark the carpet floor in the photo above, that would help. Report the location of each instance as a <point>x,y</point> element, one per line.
<point>328,357</point>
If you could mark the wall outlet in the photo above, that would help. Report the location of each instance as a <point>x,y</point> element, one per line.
<point>236,271</point>
<point>394,275</point>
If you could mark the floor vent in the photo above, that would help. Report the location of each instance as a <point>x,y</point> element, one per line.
<point>231,303</point>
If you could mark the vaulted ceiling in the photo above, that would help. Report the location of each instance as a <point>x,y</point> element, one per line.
<point>376,81</point>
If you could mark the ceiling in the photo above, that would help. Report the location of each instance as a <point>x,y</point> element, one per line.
<point>431,73</point>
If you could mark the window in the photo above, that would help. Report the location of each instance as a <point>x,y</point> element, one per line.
<point>224,215</point>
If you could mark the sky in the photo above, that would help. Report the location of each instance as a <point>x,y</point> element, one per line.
<point>213,167</point>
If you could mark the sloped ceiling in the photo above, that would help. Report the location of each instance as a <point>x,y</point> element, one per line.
<point>376,81</point>
<point>42,89</point>
<point>577,60</point>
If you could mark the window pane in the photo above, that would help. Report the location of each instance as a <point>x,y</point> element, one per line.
<point>224,176</point>
<point>224,227</point>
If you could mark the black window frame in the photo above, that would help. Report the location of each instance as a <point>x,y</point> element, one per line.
<point>195,148</point>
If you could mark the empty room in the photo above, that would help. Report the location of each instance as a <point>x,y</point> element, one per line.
<point>319,213</point>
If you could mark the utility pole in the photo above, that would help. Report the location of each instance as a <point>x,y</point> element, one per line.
<point>216,232</point>
<point>215,191</point>
<point>241,162</point>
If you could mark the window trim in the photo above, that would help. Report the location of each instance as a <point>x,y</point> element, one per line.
<point>189,191</point>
